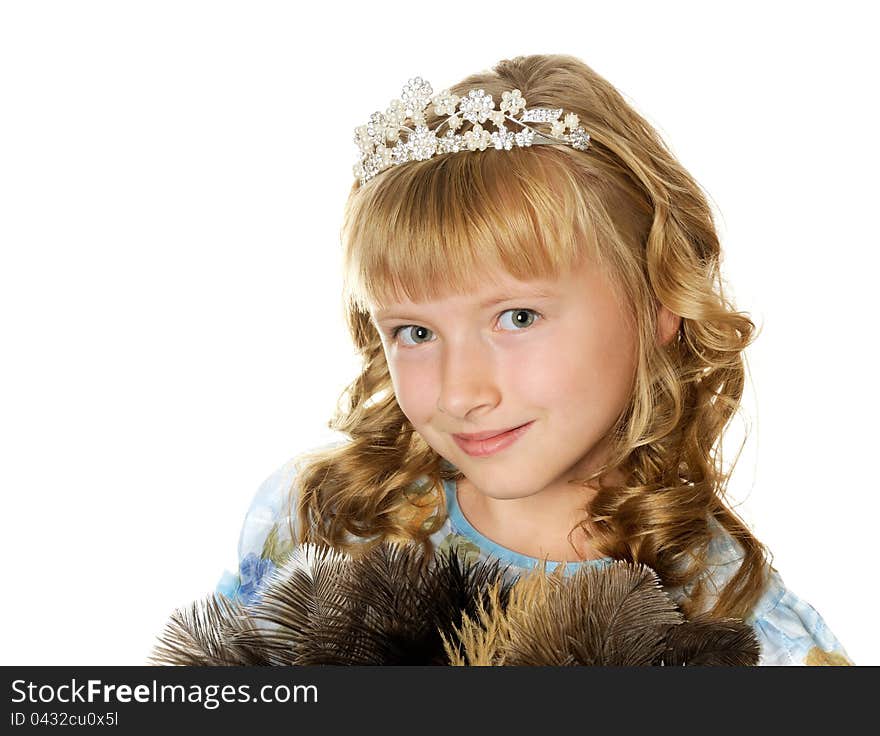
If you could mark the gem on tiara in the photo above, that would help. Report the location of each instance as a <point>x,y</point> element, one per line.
<point>502,139</point>
<point>423,143</point>
<point>445,102</point>
<point>579,139</point>
<point>407,115</point>
<point>416,95</point>
<point>512,102</point>
<point>477,106</point>
<point>396,112</point>
<point>524,137</point>
<point>540,115</point>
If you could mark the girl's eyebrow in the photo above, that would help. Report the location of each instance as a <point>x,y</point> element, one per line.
<point>530,295</point>
<point>491,302</point>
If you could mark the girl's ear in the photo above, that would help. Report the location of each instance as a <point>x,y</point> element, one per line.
<point>667,325</point>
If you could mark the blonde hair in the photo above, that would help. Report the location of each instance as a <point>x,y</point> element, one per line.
<point>429,228</point>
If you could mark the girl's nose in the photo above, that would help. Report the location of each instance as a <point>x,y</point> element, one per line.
<point>468,382</point>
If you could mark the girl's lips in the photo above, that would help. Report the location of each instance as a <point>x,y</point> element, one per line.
<point>482,448</point>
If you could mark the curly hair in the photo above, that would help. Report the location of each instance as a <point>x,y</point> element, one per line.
<point>427,228</point>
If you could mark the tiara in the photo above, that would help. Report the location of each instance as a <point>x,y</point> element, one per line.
<point>422,143</point>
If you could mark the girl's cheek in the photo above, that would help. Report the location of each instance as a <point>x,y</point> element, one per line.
<point>413,387</point>
<point>419,383</point>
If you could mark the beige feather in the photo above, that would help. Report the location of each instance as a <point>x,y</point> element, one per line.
<point>479,641</point>
<point>613,616</point>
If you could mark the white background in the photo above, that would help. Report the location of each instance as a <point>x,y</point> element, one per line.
<point>172,176</point>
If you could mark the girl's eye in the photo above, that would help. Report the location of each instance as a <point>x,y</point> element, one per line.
<point>521,319</point>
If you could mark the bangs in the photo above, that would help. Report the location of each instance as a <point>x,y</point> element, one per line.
<point>429,229</point>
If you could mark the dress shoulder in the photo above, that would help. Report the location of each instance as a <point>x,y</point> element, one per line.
<point>270,530</point>
<point>789,630</point>
<point>266,532</point>
<point>265,537</point>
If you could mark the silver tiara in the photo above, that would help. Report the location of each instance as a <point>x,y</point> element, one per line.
<point>381,146</point>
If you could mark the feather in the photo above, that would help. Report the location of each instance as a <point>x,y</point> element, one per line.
<point>380,616</point>
<point>614,616</point>
<point>703,641</point>
<point>295,598</point>
<point>396,606</point>
<point>481,638</point>
<point>463,589</point>
<point>401,604</point>
<point>203,635</point>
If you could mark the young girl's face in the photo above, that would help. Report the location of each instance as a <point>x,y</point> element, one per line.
<point>558,355</point>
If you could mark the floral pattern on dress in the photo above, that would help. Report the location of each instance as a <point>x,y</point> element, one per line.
<point>467,551</point>
<point>252,572</point>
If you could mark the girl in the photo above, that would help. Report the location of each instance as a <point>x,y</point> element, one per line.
<point>548,360</point>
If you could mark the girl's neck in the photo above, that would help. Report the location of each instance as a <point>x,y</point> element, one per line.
<point>537,526</point>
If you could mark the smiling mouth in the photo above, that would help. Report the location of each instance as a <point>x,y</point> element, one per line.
<point>492,444</point>
<point>485,435</point>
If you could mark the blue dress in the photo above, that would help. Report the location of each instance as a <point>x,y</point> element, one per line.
<point>789,630</point>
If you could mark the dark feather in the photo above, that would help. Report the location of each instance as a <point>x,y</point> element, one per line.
<point>295,599</point>
<point>465,589</point>
<point>703,641</point>
<point>204,635</point>
<point>400,605</point>
<point>380,616</point>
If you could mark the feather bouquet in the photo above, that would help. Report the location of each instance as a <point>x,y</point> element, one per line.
<point>396,605</point>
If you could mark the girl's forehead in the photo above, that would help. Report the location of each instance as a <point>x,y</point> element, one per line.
<point>483,290</point>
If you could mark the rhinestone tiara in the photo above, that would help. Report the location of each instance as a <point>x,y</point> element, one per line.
<point>381,146</point>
